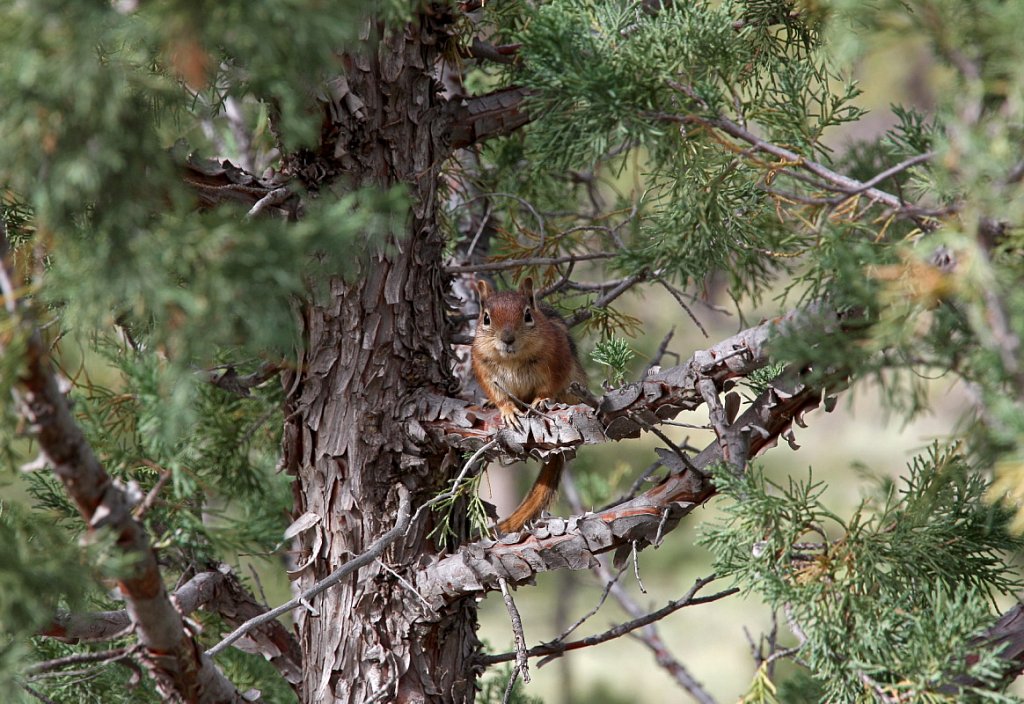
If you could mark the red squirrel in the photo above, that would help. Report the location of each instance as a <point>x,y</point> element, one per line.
<point>523,351</point>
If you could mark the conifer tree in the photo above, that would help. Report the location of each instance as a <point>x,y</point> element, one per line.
<point>239,245</point>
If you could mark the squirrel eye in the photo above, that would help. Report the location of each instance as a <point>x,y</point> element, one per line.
<point>528,316</point>
<point>487,318</point>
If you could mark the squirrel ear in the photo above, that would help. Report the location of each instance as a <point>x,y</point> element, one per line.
<point>484,290</point>
<point>526,288</point>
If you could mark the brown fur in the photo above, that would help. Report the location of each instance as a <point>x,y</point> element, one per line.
<point>524,351</point>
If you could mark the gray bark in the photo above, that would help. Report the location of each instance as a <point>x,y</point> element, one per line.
<point>370,343</point>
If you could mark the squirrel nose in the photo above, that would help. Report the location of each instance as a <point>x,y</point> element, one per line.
<point>508,337</point>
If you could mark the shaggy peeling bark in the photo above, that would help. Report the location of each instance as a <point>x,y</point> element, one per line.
<point>369,344</point>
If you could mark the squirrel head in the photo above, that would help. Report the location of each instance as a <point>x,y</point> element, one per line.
<point>507,318</point>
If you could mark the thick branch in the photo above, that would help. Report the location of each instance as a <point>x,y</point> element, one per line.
<point>218,591</point>
<point>169,651</point>
<point>573,543</point>
<point>623,413</point>
<point>1006,635</point>
<point>219,182</point>
<point>485,116</point>
<point>105,625</point>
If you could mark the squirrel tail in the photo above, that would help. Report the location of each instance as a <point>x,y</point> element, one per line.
<point>541,494</point>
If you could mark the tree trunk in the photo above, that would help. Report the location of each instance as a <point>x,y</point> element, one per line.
<point>370,343</point>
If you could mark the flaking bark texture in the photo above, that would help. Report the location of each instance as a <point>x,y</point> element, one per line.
<point>557,543</point>
<point>370,344</point>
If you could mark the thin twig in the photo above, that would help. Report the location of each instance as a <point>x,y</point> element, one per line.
<point>892,171</point>
<point>662,350</point>
<point>688,599</point>
<point>76,659</point>
<point>636,567</point>
<point>522,661</point>
<point>147,503</point>
<point>403,581</point>
<point>530,261</point>
<point>649,634</point>
<point>676,294</point>
<point>455,484</point>
<point>275,197</point>
<point>607,298</point>
<point>37,694</point>
<point>572,496</point>
<point>230,381</point>
<point>638,482</point>
<point>368,556</point>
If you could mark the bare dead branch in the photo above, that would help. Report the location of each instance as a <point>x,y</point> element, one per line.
<point>275,197</point>
<point>662,350</point>
<point>228,378</point>
<point>522,661</point>
<point>530,261</point>
<point>151,496</point>
<point>500,53</point>
<point>103,656</point>
<point>610,581</point>
<point>689,599</point>
<point>890,172</point>
<point>648,635</point>
<point>36,694</point>
<point>106,625</point>
<point>606,300</point>
<point>271,640</point>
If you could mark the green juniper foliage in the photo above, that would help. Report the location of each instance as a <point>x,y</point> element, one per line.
<point>615,353</point>
<point>889,596</point>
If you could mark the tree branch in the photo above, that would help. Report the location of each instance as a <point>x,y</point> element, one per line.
<point>623,413</point>
<point>485,116</point>
<point>218,591</point>
<point>228,378</point>
<point>532,261</point>
<point>169,652</point>
<point>689,599</point>
<point>648,635</point>
<point>105,625</point>
<point>572,544</point>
